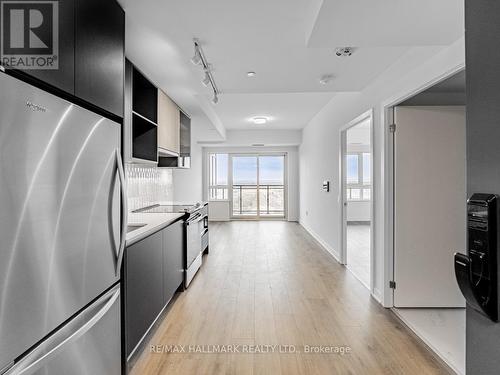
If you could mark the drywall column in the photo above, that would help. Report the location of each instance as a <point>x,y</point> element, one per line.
<point>483,153</point>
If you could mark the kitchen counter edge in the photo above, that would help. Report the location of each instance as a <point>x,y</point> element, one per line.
<point>154,223</point>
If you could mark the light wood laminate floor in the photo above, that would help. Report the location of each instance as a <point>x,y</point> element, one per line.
<point>270,283</point>
<point>358,250</point>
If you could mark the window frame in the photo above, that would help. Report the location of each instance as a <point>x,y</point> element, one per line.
<point>361,186</point>
<point>212,176</point>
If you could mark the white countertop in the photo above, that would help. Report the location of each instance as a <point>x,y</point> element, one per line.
<point>154,222</point>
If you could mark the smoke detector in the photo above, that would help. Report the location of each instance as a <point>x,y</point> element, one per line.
<point>344,51</point>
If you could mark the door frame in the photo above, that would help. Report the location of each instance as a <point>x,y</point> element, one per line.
<point>368,115</point>
<point>285,185</point>
<point>387,120</point>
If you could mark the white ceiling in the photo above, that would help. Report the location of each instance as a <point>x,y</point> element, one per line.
<point>363,23</point>
<point>268,37</point>
<point>284,110</point>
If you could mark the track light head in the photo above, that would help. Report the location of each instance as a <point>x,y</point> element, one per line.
<point>215,99</point>
<point>206,80</point>
<point>196,59</point>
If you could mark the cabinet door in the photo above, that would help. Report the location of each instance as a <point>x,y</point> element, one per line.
<point>100,54</point>
<point>185,141</point>
<point>168,123</point>
<point>143,287</point>
<point>173,256</point>
<point>63,76</point>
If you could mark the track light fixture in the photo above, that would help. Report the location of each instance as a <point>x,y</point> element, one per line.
<point>200,59</point>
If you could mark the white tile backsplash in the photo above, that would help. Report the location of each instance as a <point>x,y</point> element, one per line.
<point>148,185</point>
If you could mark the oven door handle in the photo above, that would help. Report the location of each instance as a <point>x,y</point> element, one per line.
<point>195,219</point>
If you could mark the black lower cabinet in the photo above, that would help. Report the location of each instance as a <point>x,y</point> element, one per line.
<point>153,271</point>
<point>173,255</point>
<point>143,287</point>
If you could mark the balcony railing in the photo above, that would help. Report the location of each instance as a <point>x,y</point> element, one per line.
<point>271,200</point>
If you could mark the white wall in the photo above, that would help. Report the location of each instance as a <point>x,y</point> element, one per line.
<point>292,153</point>
<point>319,152</point>
<point>219,211</point>
<point>358,211</point>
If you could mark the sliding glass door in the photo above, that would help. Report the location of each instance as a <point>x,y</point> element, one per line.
<point>272,185</point>
<point>245,186</point>
<point>258,186</point>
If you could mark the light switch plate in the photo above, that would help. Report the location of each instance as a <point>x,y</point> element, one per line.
<point>326,186</point>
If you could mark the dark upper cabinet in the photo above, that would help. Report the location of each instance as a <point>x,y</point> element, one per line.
<point>144,96</point>
<point>140,142</point>
<point>90,56</point>
<point>185,144</point>
<point>100,54</point>
<point>63,76</point>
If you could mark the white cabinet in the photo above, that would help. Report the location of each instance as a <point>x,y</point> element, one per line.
<point>169,125</point>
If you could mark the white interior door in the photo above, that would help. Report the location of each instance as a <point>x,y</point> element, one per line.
<point>430,205</point>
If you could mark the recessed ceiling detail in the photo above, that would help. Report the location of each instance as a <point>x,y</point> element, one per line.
<point>283,111</point>
<point>368,23</point>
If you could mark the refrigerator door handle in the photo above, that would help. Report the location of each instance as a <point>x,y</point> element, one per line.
<point>48,349</point>
<point>123,228</point>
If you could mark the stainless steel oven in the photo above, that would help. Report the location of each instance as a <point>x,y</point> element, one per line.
<point>196,241</point>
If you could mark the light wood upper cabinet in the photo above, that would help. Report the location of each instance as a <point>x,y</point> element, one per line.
<point>169,124</point>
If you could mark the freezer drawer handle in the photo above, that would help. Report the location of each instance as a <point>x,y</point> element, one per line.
<point>123,195</point>
<point>47,350</point>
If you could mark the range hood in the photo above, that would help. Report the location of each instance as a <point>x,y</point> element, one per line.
<point>168,159</point>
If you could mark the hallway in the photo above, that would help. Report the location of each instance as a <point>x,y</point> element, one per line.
<point>358,250</point>
<point>269,283</point>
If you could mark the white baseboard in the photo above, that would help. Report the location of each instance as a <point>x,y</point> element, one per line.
<point>377,294</point>
<point>330,250</point>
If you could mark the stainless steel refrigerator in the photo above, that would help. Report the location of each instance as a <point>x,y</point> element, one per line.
<point>62,191</point>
